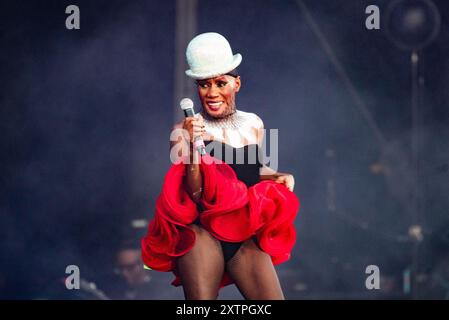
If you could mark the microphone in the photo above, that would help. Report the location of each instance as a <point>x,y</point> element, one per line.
<point>187,106</point>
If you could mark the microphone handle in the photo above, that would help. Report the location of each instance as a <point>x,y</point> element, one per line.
<point>189,112</point>
<point>199,143</point>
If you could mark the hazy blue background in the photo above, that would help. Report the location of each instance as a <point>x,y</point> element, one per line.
<point>86,115</point>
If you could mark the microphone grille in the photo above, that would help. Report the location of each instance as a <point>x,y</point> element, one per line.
<point>186,103</point>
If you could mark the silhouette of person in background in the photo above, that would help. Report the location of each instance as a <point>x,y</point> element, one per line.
<point>136,282</point>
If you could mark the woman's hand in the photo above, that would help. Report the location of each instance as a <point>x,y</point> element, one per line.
<point>286,179</point>
<point>194,126</point>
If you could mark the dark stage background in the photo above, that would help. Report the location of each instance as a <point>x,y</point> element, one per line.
<point>86,115</point>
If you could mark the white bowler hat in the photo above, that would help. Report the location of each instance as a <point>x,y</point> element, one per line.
<point>209,55</point>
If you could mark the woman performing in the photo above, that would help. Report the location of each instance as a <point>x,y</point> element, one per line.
<point>223,217</point>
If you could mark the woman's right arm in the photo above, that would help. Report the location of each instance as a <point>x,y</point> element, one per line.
<point>192,127</point>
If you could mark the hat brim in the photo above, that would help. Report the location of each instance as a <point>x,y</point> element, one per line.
<point>237,59</point>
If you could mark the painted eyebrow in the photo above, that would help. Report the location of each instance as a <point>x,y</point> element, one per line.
<point>206,81</point>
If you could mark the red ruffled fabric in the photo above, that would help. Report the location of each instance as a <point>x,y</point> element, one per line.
<point>232,212</point>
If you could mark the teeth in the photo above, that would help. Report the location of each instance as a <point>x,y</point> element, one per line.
<point>215,104</point>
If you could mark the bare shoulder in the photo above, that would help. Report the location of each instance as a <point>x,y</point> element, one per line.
<point>176,134</point>
<point>178,125</point>
<point>253,119</point>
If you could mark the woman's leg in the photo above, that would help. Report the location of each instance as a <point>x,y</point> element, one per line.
<point>201,269</point>
<point>254,273</point>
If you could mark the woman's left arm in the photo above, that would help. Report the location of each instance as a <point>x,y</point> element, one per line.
<point>266,173</point>
<point>287,179</point>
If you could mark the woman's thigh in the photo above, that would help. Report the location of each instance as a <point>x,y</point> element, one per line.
<point>201,269</point>
<point>254,274</point>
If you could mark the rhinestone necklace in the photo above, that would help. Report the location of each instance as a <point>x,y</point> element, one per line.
<point>232,121</point>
